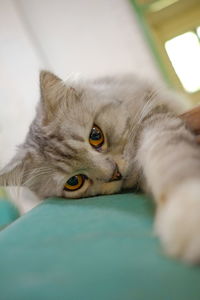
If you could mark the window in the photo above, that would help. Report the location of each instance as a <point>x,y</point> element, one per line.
<point>172,29</point>
<point>184,54</point>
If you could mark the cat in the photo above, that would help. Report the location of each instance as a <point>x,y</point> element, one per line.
<point>100,136</point>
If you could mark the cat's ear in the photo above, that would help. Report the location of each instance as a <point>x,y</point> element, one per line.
<point>48,81</point>
<point>51,88</point>
<point>55,95</point>
<point>14,173</point>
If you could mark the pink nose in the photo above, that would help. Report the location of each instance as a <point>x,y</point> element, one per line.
<point>116,175</point>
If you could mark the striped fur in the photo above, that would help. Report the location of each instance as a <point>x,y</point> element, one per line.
<point>152,148</point>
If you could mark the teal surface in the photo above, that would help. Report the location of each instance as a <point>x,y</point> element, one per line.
<point>8,212</point>
<point>98,248</point>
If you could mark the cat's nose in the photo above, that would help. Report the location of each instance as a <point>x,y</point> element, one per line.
<point>116,175</point>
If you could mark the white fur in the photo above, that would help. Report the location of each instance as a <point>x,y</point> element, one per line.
<point>178,222</point>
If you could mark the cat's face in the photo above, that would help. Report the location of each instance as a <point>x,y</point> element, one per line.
<point>81,142</point>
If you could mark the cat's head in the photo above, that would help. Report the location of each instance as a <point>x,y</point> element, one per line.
<point>79,143</point>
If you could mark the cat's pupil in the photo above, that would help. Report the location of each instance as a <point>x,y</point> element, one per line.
<point>73,181</point>
<point>95,134</point>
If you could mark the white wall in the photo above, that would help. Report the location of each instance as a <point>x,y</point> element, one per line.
<point>94,37</point>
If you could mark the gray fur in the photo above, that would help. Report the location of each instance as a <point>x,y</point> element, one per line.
<point>57,147</point>
<point>152,148</point>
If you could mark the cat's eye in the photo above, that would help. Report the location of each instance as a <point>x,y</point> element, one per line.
<point>96,138</point>
<point>75,183</point>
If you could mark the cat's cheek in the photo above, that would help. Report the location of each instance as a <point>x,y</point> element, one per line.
<point>100,188</point>
<point>72,196</point>
<point>110,188</point>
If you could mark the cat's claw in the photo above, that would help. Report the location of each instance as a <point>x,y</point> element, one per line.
<point>178,223</point>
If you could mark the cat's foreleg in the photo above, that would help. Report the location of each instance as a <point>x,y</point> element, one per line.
<point>170,161</point>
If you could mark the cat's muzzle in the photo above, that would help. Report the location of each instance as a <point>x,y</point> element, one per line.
<point>116,175</point>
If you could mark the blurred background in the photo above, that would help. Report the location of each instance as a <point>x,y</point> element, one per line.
<point>159,39</point>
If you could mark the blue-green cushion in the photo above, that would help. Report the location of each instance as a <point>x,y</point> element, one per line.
<point>98,248</point>
<point>8,212</point>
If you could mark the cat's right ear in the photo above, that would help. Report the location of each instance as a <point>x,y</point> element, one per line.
<point>53,92</point>
<point>50,89</point>
<point>48,82</point>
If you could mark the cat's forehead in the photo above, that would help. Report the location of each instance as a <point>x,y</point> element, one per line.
<point>97,103</point>
<point>102,91</point>
<point>90,103</point>
<point>79,107</point>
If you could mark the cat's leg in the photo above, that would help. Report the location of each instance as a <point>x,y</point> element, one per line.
<point>170,162</point>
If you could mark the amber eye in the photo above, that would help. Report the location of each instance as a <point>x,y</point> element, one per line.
<point>75,183</point>
<point>96,138</point>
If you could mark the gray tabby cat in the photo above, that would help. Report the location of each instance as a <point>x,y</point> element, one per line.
<point>102,136</point>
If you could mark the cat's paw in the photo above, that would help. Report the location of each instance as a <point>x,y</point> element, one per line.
<point>178,223</point>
